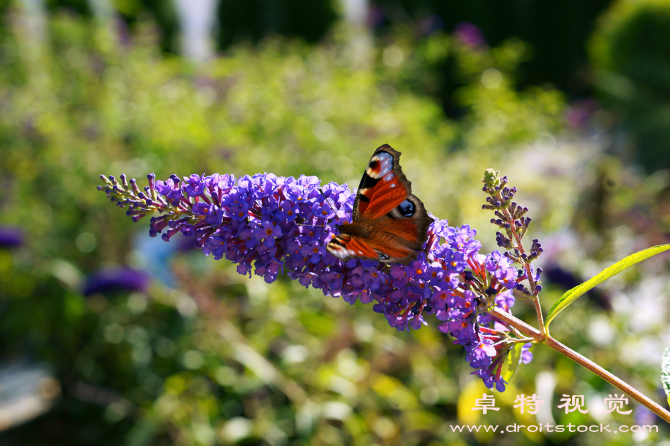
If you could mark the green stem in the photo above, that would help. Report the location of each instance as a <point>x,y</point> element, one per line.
<point>617,382</point>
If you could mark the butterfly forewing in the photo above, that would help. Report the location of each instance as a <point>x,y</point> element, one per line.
<point>383,185</point>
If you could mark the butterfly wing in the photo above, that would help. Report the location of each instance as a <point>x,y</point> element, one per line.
<point>383,186</point>
<point>345,246</point>
<point>389,223</point>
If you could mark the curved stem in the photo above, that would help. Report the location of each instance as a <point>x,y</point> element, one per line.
<point>526,266</point>
<point>617,382</point>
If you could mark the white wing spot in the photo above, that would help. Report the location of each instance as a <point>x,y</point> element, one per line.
<point>337,251</point>
<point>389,177</point>
<point>392,185</point>
<point>386,163</point>
<point>360,252</point>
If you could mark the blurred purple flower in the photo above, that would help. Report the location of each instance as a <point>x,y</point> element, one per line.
<point>10,237</point>
<point>429,24</point>
<point>116,279</point>
<point>375,17</point>
<point>580,113</point>
<point>470,35</point>
<point>644,416</point>
<point>526,355</point>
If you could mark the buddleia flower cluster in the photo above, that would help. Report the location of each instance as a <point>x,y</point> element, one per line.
<point>270,225</point>
<point>511,218</point>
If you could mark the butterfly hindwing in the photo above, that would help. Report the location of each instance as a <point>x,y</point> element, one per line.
<point>389,223</point>
<point>345,246</point>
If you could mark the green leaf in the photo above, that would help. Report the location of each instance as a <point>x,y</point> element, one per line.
<point>512,363</point>
<point>665,372</point>
<point>571,295</point>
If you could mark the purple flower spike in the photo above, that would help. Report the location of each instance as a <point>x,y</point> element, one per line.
<point>272,225</point>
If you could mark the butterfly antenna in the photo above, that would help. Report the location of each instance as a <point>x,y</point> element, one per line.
<point>306,224</point>
<point>332,208</point>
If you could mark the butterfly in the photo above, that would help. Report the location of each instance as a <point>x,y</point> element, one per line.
<point>389,223</point>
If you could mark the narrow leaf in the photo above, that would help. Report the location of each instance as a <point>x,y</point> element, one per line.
<point>665,372</point>
<point>512,363</point>
<point>571,295</point>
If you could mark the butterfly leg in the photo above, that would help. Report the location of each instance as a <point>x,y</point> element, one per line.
<point>385,268</point>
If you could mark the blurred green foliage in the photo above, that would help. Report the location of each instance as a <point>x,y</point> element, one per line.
<point>630,52</point>
<point>81,104</point>
<point>220,358</point>
<point>555,32</point>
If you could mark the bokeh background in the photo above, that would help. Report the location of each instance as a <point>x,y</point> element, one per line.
<point>110,337</point>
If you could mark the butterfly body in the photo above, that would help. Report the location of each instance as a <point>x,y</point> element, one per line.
<point>389,223</point>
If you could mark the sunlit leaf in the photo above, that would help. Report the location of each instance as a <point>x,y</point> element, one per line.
<point>571,295</point>
<point>665,372</point>
<point>512,363</point>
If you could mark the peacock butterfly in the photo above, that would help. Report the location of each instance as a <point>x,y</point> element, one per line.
<point>389,223</point>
